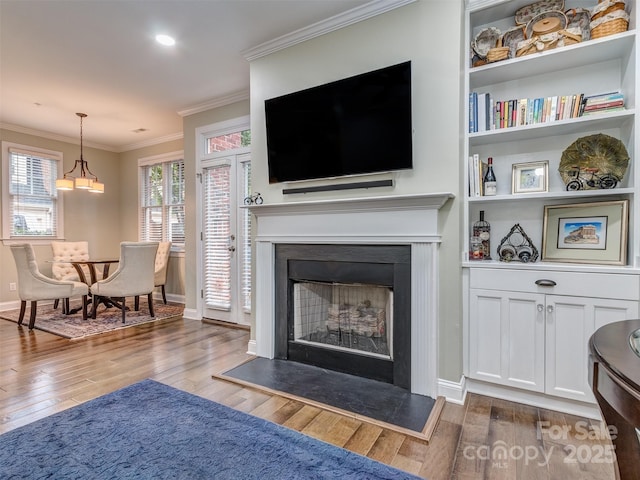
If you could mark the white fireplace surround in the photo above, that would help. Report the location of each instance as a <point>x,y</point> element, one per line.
<point>389,220</point>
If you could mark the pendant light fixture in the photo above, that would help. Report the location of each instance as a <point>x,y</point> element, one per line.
<point>80,176</point>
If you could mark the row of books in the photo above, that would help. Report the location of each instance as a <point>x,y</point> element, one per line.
<point>605,102</point>
<point>487,114</point>
<point>477,169</point>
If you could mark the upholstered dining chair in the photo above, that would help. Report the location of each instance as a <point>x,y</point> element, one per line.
<point>133,278</point>
<point>33,286</point>
<point>65,252</point>
<point>162,262</point>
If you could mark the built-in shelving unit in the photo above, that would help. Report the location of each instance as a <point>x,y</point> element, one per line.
<point>492,305</point>
<point>590,67</point>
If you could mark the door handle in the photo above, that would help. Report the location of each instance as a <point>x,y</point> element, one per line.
<point>544,282</point>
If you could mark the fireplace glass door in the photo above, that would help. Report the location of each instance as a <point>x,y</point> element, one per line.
<point>350,317</point>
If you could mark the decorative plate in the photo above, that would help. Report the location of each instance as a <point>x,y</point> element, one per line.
<point>526,13</point>
<point>593,156</point>
<point>511,38</point>
<point>485,40</point>
<point>579,17</point>
<point>546,22</point>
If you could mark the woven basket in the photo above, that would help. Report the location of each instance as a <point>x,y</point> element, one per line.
<point>570,36</point>
<point>610,24</point>
<point>497,54</point>
<point>606,7</point>
<point>527,47</point>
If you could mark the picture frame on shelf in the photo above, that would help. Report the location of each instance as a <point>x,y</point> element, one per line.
<point>530,177</point>
<point>594,232</point>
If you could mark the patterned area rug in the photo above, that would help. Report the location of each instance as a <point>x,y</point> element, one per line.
<point>73,326</point>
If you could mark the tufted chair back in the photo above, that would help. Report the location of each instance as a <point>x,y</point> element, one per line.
<point>67,251</point>
<point>162,262</point>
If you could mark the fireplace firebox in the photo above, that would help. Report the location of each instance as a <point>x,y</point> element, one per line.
<point>345,308</point>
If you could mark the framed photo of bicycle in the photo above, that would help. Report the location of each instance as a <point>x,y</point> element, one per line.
<point>593,232</point>
<point>530,177</point>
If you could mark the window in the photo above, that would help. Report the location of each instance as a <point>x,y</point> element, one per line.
<point>31,207</point>
<point>229,141</point>
<point>162,199</point>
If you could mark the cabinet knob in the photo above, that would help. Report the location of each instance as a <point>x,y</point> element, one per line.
<point>543,282</point>
<point>549,308</point>
<point>540,307</point>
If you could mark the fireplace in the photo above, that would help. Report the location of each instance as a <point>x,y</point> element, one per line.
<point>345,308</point>
<point>352,233</point>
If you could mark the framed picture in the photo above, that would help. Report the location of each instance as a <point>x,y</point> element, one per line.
<point>530,177</point>
<point>586,233</point>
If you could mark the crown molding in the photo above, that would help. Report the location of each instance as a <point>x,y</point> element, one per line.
<point>150,142</point>
<point>355,15</point>
<point>76,141</point>
<point>216,103</point>
<point>54,136</point>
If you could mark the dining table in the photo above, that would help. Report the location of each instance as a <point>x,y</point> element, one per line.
<point>93,278</point>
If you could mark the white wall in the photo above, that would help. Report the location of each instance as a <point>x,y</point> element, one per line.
<point>428,33</point>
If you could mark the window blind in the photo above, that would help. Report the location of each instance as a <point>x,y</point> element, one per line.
<point>33,198</point>
<point>162,202</point>
<point>217,221</point>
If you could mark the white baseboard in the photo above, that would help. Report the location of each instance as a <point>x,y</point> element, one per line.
<point>252,347</point>
<point>191,314</point>
<point>535,399</point>
<point>12,305</point>
<point>454,392</point>
<point>171,297</point>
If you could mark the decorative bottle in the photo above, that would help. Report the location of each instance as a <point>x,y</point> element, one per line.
<point>489,181</point>
<point>482,230</point>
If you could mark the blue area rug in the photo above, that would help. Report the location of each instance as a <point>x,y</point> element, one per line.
<point>152,431</point>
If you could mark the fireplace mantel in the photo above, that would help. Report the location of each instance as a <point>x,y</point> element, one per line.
<point>397,219</point>
<point>385,203</point>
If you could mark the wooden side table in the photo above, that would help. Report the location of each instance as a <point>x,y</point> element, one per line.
<point>614,377</point>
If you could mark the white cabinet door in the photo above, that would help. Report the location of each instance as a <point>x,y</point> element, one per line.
<point>506,344</point>
<point>570,322</point>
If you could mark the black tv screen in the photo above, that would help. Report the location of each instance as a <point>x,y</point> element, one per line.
<point>357,125</point>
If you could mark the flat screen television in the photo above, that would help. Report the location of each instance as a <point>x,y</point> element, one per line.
<point>356,125</point>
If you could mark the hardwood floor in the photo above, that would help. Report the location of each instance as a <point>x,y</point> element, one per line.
<point>41,374</point>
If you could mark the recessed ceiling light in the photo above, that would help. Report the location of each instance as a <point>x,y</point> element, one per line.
<point>165,40</point>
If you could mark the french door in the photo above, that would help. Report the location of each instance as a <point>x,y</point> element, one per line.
<point>226,237</point>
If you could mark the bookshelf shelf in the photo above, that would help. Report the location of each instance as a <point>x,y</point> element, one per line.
<point>603,121</point>
<point>557,195</point>
<point>573,56</point>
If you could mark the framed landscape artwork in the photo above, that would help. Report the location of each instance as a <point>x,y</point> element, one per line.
<point>586,233</point>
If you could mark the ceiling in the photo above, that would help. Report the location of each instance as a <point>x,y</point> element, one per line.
<point>99,57</point>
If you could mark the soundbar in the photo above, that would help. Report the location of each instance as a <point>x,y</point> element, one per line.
<point>340,186</point>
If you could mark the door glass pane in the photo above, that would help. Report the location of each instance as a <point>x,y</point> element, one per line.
<point>230,141</point>
<point>217,232</point>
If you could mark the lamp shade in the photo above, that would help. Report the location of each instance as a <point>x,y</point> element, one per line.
<point>64,184</point>
<point>97,187</point>
<point>83,183</point>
